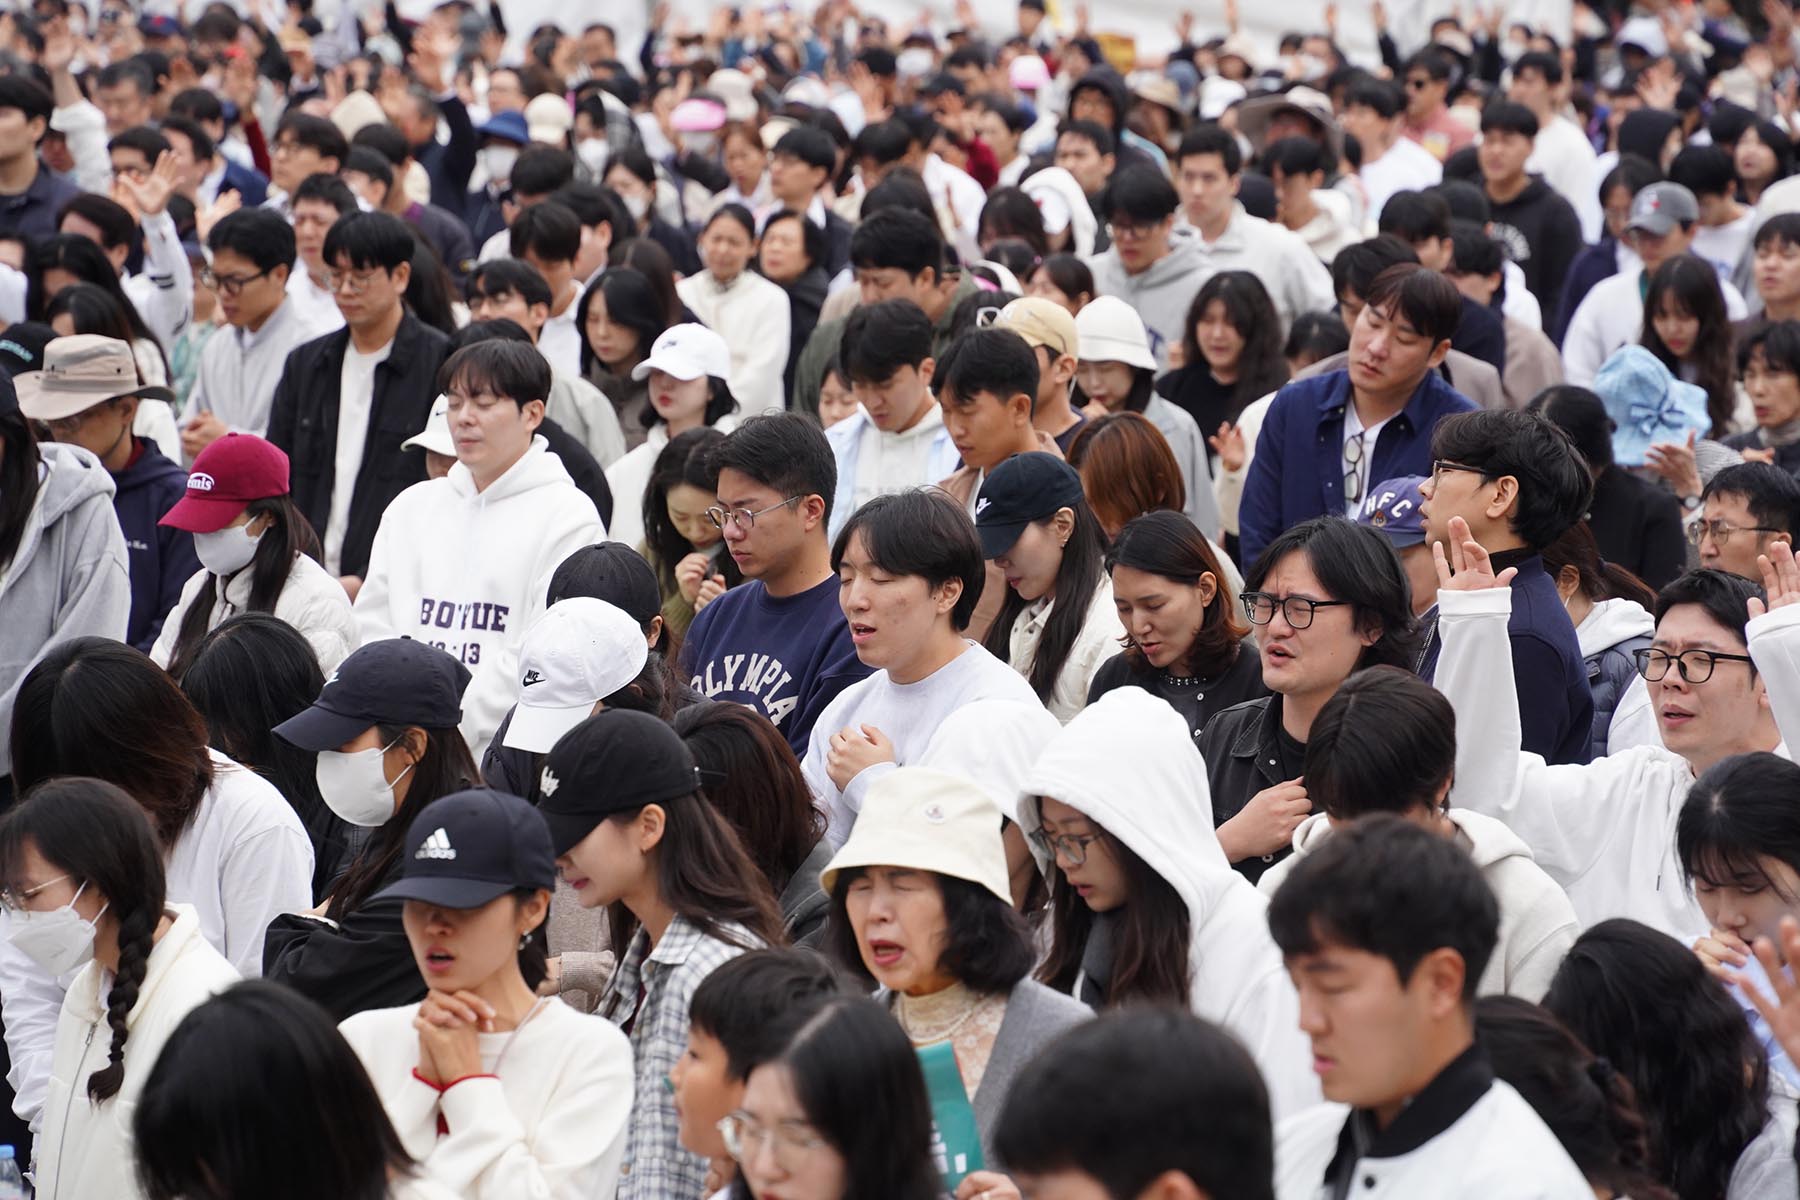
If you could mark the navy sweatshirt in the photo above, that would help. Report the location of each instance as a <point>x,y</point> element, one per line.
<point>161,559</point>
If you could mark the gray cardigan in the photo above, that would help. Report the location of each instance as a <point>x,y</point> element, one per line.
<point>1035,1016</point>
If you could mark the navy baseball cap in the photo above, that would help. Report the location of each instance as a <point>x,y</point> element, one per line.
<point>396,681</point>
<point>471,847</point>
<point>508,126</point>
<point>1393,508</point>
<point>1023,489</point>
<point>615,761</point>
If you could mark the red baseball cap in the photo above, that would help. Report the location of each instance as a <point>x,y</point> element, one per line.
<point>228,475</point>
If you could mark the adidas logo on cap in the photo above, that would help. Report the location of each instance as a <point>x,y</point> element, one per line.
<point>437,846</point>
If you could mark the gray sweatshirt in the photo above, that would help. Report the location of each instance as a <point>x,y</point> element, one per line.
<point>68,577</point>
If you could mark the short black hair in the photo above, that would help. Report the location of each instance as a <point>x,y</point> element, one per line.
<point>921,532</point>
<point>1554,483</point>
<point>1777,342</point>
<point>784,451</point>
<point>1423,298</point>
<point>198,139</point>
<point>134,71</point>
<point>884,142</point>
<point>1724,596</point>
<point>1504,116</point>
<point>986,946</point>
<point>1415,216</point>
<point>1295,156</point>
<point>755,1003</point>
<point>366,160</point>
<point>259,234</point>
<point>502,328</point>
<point>22,93</point>
<point>1356,267</point>
<point>1390,888</point>
<point>499,365</point>
<point>996,361</point>
<point>541,170</point>
<point>1466,200</point>
<point>370,239</point>
<point>548,230</point>
<point>1210,138</point>
<point>1473,252</point>
<point>899,188</point>
<point>1378,94</point>
<point>1783,227</point>
<point>1137,1093</point>
<point>1139,192</point>
<point>1357,563</point>
<point>385,140</point>
<point>899,239</point>
<point>1432,61</point>
<point>328,189</point>
<point>315,132</point>
<point>197,104</point>
<point>1704,170</point>
<point>1543,62</point>
<point>508,276</point>
<point>812,238</point>
<point>142,138</point>
<point>594,205</point>
<point>881,338</point>
<point>811,145</point>
<point>112,219</point>
<point>1384,742</point>
<point>1581,414</point>
<point>1770,493</point>
<point>1093,131</point>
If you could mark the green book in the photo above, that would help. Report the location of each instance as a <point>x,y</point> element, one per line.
<point>955,1140</point>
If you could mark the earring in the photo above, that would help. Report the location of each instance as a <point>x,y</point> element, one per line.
<point>524,940</point>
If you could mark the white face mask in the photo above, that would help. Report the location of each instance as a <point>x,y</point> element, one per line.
<point>60,941</point>
<point>498,161</point>
<point>355,786</point>
<point>594,155</point>
<point>637,205</point>
<point>228,551</point>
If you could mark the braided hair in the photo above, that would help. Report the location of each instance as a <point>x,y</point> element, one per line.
<point>99,837</point>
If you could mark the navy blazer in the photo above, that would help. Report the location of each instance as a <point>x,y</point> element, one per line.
<point>1298,470</point>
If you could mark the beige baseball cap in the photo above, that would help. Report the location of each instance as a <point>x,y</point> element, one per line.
<point>1041,322</point>
<point>80,372</point>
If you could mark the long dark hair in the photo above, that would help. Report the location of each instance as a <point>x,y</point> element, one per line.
<point>91,309</point>
<point>683,460</point>
<point>752,778</point>
<point>97,835</point>
<point>703,873</point>
<point>87,262</point>
<point>93,706</point>
<point>204,1132</point>
<point>1741,810</point>
<point>1150,951</point>
<point>1642,1001</point>
<point>19,464</point>
<point>1261,367</point>
<point>288,536</point>
<point>1355,563</point>
<point>429,292</point>
<point>1143,388</point>
<point>1078,576</point>
<point>1692,286</point>
<point>244,678</point>
<point>858,1081</point>
<point>1169,545</point>
<point>647,257</point>
<point>1587,1104</point>
<point>1600,580</point>
<point>630,301</point>
<point>719,403</point>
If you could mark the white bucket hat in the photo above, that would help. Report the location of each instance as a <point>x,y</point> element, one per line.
<point>926,820</point>
<point>1109,330</point>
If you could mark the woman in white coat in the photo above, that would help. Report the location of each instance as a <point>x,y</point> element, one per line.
<point>84,892</point>
<point>1143,904</point>
<point>751,313</point>
<point>257,554</point>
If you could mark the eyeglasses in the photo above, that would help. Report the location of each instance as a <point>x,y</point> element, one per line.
<point>482,401</point>
<point>227,285</point>
<point>283,149</point>
<point>1070,847</point>
<point>743,518</point>
<point>1721,532</point>
<point>745,1139</point>
<point>1439,466</point>
<point>355,282</point>
<point>1131,231</point>
<point>15,901</point>
<point>1297,611</point>
<point>1696,666</point>
<point>1353,468</point>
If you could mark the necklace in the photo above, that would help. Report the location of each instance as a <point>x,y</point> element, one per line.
<point>937,1017</point>
<point>517,1029</point>
<point>1183,681</point>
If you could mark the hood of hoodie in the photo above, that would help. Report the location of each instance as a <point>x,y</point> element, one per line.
<point>1611,622</point>
<point>1110,82</point>
<point>1082,221</point>
<point>1487,840</point>
<point>536,468</point>
<point>68,477</point>
<point>1536,192</point>
<point>1172,272</point>
<point>151,468</point>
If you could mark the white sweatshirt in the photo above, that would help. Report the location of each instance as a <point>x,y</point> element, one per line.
<point>547,1122</point>
<point>466,571</point>
<point>912,716</point>
<point>753,316</point>
<point>312,601</point>
<point>1128,763</point>
<point>1537,922</point>
<point>1604,831</point>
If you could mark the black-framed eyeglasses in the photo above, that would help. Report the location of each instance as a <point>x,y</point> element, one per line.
<point>1440,465</point>
<point>1722,531</point>
<point>1131,231</point>
<point>1696,666</point>
<point>1353,468</point>
<point>227,285</point>
<point>1070,847</point>
<point>1297,611</point>
<point>743,518</point>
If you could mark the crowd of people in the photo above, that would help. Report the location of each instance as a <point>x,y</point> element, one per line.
<point>816,610</point>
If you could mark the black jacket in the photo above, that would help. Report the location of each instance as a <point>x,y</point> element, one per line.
<point>364,962</point>
<point>582,466</point>
<point>837,243</point>
<point>1198,702</point>
<point>1543,235</point>
<point>303,421</point>
<point>1246,752</point>
<point>1638,526</point>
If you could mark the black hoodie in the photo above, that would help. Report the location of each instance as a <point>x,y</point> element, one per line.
<point>1543,235</point>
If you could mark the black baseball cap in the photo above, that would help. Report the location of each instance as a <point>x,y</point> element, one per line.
<point>471,847</point>
<point>22,346</point>
<point>615,761</point>
<point>1023,489</point>
<point>396,681</point>
<point>613,572</point>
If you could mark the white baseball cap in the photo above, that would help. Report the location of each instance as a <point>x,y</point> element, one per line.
<point>435,437</point>
<point>1109,330</point>
<point>581,650</point>
<point>687,352</point>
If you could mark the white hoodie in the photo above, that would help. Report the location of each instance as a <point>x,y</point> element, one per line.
<point>1128,763</point>
<point>466,571</point>
<point>1537,922</point>
<point>1604,831</point>
<point>1607,624</point>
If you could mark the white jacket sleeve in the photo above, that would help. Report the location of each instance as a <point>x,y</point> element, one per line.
<point>164,649</point>
<point>374,622</point>
<point>1584,346</point>
<point>263,877</point>
<point>1228,486</point>
<point>168,303</point>
<point>1540,939</point>
<point>1775,645</point>
<point>764,361</point>
<point>1307,282</point>
<point>1633,721</point>
<point>13,286</point>
<point>30,1003</point>
<point>573,1154</point>
<point>83,127</point>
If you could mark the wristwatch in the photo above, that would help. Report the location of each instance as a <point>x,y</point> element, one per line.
<point>1690,503</point>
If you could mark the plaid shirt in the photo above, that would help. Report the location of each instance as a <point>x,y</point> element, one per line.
<point>655,987</point>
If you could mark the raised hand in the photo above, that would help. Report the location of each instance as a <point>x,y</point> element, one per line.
<point>433,49</point>
<point>1468,568</point>
<point>150,194</point>
<point>1228,444</point>
<point>1782,1010</point>
<point>1675,463</point>
<point>1781,579</point>
<point>59,46</point>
